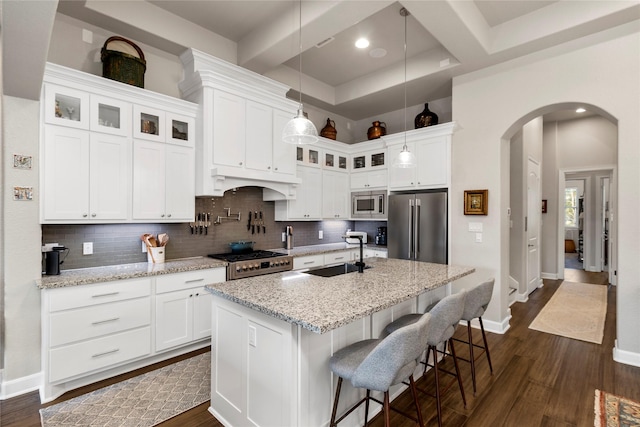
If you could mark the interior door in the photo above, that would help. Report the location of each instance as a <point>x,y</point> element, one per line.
<point>533,225</point>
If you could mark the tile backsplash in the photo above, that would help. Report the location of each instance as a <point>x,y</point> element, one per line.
<point>121,244</point>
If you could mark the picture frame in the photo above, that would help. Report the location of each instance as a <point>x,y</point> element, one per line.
<point>476,202</point>
<point>544,205</point>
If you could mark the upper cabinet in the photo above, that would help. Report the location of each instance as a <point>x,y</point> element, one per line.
<point>92,128</point>
<point>240,134</point>
<point>432,149</point>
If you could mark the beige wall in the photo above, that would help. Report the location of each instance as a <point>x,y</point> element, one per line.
<point>492,104</point>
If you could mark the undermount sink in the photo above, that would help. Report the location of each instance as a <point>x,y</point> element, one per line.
<point>334,270</point>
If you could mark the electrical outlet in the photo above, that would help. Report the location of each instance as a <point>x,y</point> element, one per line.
<point>284,236</point>
<point>87,248</point>
<point>478,237</point>
<point>320,234</point>
<point>144,247</point>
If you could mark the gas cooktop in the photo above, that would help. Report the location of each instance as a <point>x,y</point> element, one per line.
<point>234,257</point>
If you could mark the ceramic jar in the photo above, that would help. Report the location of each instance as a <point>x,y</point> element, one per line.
<point>329,131</point>
<point>377,130</point>
<point>426,118</point>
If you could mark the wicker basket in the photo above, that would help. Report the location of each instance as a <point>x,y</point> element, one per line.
<point>121,66</point>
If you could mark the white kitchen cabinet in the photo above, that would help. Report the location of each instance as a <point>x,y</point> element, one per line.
<point>308,202</point>
<point>259,136</point>
<point>432,148</point>
<point>183,310</point>
<point>369,180</point>
<point>87,169</point>
<point>229,129</point>
<point>86,176</point>
<point>335,195</point>
<point>162,188</point>
<point>369,160</point>
<point>94,327</point>
<point>283,153</point>
<point>308,261</point>
<point>339,257</point>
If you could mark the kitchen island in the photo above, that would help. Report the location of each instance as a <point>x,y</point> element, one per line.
<point>273,335</point>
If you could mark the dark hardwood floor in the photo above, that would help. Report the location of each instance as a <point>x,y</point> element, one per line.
<point>539,379</point>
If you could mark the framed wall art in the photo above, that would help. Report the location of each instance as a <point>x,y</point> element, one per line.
<point>476,202</point>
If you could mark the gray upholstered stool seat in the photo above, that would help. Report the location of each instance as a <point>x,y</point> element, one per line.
<point>379,364</point>
<point>445,315</point>
<point>475,305</point>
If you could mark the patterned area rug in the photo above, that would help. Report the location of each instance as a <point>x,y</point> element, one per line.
<point>615,411</point>
<point>142,401</point>
<point>576,310</point>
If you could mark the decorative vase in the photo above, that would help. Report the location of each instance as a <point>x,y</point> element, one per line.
<point>377,130</point>
<point>426,118</point>
<point>329,131</point>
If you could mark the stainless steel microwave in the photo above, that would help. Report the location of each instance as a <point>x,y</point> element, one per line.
<point>369,204</point>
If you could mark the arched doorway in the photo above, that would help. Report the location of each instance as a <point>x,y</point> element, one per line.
<point>541,136</point>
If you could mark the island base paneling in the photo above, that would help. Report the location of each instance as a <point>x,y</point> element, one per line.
<point>266,371</point>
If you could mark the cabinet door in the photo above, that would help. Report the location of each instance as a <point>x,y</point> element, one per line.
<point>401,177</point>
<point>148,123</point>
<point>433,158</point>
<point>180,129</point>
<point>174,319</point>
<point>335,194</point>
<point>307,204</point>
<point>148,180</point>
<point>179,183</point>
<point>259,146</point>
<point>66,107</point>
<point>110,116</point>
<point>66,174</point>
<point>201,314</point>
<point>110,177</point>
<point>284,155</point>
<point>229,123</point>
<point>359,180</point>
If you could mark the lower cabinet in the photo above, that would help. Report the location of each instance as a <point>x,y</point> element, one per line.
<point>92,332</point>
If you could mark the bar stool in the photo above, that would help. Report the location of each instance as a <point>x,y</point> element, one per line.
<point>377,364</point>
<point>475,305</point>
<point>445,315</point>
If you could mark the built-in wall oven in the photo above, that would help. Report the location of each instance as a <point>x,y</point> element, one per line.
<point>369,204</point>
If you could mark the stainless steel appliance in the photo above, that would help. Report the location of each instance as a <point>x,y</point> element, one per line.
<point>254,263</point>
<point>53,259</point>
<point>417,226</point>
<point>369,204</point>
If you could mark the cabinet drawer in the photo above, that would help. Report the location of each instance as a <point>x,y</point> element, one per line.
<point>98,293</point>
<point>308,261</point>
<point>190,279</point>
<point>93,355</point>
<point>92,322</point>
<point>337,257</point>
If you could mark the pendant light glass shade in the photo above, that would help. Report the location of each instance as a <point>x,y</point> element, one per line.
<point>405,159</point>
<point>300,130</point>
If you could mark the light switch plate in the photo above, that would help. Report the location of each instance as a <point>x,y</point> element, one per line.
<point>475,226</point>
<point>320,234</point>
<point>252,336</point>
<point>478,237</point>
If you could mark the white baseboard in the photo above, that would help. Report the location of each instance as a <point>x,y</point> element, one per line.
<point>490,325</point>
<point>550,276</point>
<point>13,388</point>
<point>626,357</point>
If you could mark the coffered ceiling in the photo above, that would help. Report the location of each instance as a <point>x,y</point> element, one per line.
<point>445,38</point>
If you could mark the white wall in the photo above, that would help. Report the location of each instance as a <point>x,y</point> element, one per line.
<point>22,236</point>
<point>492,104</point>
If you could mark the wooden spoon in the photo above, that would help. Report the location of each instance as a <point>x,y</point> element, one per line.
<point>152,241</point>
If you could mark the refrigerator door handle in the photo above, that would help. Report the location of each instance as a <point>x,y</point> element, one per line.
<point>417,230</point>
<point>411,228</point>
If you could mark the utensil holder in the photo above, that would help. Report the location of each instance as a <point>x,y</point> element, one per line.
<point>155,254</point>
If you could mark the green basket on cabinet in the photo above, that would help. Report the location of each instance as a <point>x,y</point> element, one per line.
<point>121,66</point>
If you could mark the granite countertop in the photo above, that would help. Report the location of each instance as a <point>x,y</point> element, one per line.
<point>85,276</point>
<point>324,249</point>
<point>321,304</point>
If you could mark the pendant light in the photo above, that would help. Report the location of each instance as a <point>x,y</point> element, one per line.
<point>405,159</point>
<point>300,130</point>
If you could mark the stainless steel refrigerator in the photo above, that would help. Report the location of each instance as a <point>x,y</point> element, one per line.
<point>417,226</point>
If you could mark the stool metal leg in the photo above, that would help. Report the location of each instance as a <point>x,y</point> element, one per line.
<point>335,404</point>
<point>435,372</point>
<point>486,346</point>
<point>472,358</point>
<point>366,408</point>
<point>455,362</point>
<point>414,392</point>
<point>387,409</point>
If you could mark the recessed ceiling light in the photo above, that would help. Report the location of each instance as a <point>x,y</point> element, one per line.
<point>580,110</point>
<point>362,43</point>
<point>377,52</point>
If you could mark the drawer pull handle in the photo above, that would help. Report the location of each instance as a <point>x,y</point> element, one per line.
<point>106,353</point>
<point>340,257</point>
<point>194,280</point>
<point>99,322</point>
<point>110,294</point>
<point>309,262</point>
